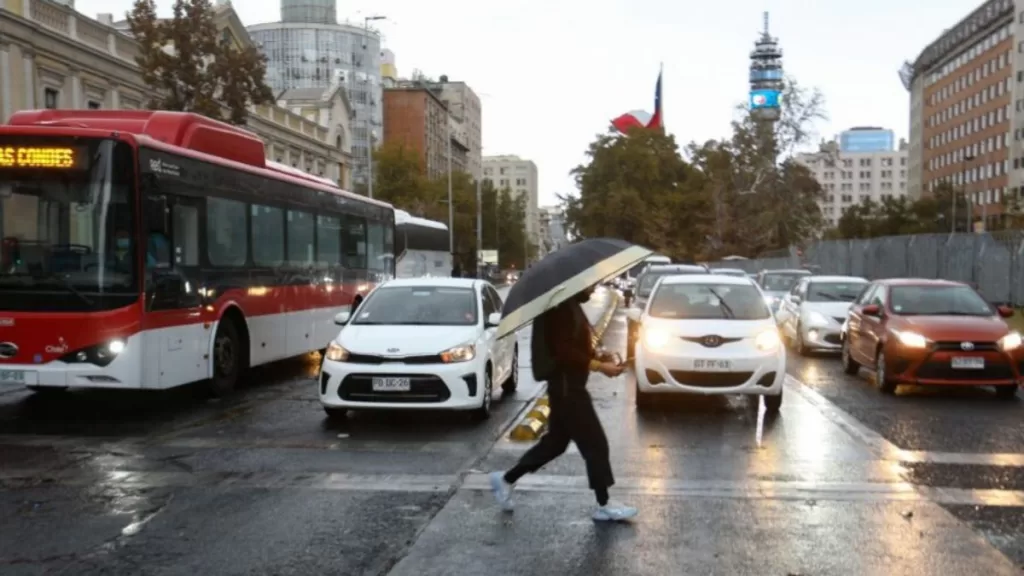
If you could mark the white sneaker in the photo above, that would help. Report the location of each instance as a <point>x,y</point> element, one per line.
<point>502,490</point>
<point>614,512</point>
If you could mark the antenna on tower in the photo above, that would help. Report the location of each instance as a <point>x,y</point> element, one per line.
<point>766,23</point>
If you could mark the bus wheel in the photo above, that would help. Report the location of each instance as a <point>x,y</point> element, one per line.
<point>227,358</point>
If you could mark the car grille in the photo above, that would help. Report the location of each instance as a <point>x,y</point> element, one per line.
<point>374,359</point>
<point>423,388</point>
<point>832,339</point>
<point>710,379</point>
<point>958,345</point>
<point>943,371</point>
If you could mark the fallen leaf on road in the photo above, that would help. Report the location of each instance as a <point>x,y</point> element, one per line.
<point>908,514</point>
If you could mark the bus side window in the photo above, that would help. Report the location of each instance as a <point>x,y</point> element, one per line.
<point>328,241</point>
<point>354,243</point>
<point>185,232</point>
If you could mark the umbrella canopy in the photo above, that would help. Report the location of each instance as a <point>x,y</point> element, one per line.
<point>564,274</point>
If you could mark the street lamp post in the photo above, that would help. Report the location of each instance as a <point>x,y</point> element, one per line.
<point>369,113</point>
<point>479,225</point>
<point>451,204</point>
<point>963,165</point>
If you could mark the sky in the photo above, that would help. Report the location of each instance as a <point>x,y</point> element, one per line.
<point>552,74</point>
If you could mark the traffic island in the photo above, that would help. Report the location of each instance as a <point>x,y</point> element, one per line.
<point>533,425</point>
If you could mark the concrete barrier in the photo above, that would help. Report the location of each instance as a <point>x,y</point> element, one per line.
<point>533,425</point>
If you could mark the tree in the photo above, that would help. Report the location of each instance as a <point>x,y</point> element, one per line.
<point>190,65</point>
<point>400,179</point>
<point>898,216</point>
<point>638,188</point>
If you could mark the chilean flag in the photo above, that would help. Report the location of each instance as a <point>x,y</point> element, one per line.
<point>641,119</point>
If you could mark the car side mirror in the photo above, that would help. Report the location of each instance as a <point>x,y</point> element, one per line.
<point>342,318</point>
<point>1005,311</point>
<point>493,319</point>
<point>634,314</point>
<point>872,310</point>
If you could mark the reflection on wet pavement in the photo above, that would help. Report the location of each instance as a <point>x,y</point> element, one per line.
<point>845,480</point>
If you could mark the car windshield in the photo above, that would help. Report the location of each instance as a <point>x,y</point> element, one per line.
<point>780,282</point>
<point>834,291</point>
<point>648,280</point>
<point>938,301</point>
<point>66,225</point>
<point>419,306</point>
<point>708,302</point>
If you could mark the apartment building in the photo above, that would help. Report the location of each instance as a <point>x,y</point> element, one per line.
<point>967,112</point>
<point>849,178</point>
<point>417,118</point>
<point>519,176</point>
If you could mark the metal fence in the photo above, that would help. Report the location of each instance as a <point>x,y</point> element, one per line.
<point>993,262</point>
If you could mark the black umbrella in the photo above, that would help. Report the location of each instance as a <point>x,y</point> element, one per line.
<point>564,274</point>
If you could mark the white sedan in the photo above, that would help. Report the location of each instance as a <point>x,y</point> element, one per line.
<point>811,316</point>
<point>708,334</point>
<point>419,343</point>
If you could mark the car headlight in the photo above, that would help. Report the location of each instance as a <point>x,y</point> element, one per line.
<point>912,339</point>
<point>336,353</point>
<point>767,340</point>
<point>655,338</point>
<point>816,318</point>
<point>463,353</point>
<point>1011,341</point>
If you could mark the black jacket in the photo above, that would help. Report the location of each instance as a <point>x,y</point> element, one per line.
<point>562,343</point>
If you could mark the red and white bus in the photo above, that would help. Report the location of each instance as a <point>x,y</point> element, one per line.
<point>146,249</point>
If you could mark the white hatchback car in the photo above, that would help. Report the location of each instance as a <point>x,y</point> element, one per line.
<point>420,343</point>
<point>708,334</point>
<point>811,316</point>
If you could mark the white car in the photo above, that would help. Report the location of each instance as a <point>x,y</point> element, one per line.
<point>420,343</point>
<point>811,316</point>
<point>708,334</point>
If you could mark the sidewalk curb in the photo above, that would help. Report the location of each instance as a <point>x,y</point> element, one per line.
<point>535,422</point>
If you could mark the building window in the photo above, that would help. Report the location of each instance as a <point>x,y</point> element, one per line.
<point>94,105</point>
<point>51,98</point>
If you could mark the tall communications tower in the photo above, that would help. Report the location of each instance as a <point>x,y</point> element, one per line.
<point>765,76</point>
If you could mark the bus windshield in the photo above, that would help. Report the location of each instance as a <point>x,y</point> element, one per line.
<point>66,226</point>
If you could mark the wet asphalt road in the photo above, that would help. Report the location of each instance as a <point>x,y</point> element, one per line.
<point>845,481</point>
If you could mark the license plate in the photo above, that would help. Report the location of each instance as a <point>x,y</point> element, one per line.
<point>968,363</point>
<point>712,365</point>
<point>391,385</point>
<point>12,377</point>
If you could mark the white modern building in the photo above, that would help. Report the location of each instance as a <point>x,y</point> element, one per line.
<point>308,48</point>
<point>519,176</point>
<point>850,178</point>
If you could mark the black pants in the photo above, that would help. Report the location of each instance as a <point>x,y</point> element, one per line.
<point>574,419</point>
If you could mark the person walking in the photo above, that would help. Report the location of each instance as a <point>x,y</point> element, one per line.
<point>563,355</point>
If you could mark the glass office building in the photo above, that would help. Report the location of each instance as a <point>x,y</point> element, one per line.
<point>321,54</point>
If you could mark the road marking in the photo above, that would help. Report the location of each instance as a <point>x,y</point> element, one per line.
<point>128,479</point>
<point>767,490</point>
<point>885,449</point>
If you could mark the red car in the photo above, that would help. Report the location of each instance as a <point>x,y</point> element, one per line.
<point>932,332</point>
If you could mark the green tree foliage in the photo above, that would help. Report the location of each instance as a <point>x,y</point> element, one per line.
<point>638,188</point>
<point>400,179</point>
<point>728,196</point>
<point>897,216</point>
<point>191,65</point>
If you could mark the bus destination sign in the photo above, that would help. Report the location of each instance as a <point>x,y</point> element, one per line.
<point>40,157</point>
